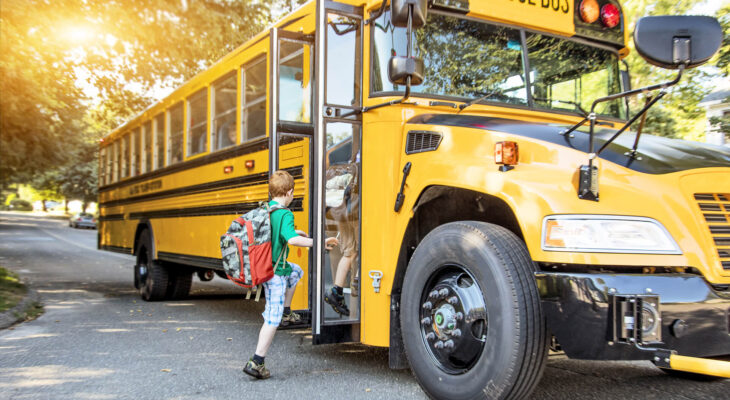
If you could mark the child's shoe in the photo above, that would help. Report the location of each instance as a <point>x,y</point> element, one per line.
<point>258,371</point>
<point>291,318</point>
<point>337,302</point>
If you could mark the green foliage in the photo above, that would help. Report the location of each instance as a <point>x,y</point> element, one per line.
<point>11,289</point>
<point>723,58</point>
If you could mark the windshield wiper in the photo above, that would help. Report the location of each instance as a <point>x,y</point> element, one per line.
<point>572,103</point>
<point>478,99</point>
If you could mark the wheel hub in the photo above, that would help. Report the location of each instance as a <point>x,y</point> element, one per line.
<point>453,320</point>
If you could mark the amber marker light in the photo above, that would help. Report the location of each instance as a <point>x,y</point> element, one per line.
<point>610,16</point>
<point>228,169</point>
<point>506,154</point>
<point>589,11</point>
<point>250,164</point>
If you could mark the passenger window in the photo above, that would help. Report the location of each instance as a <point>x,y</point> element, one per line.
<point>295,90</point>
<point>136,152</point>
<point>175,122</point>
<point>115,161</point>
<point>224,112</point>
<point>125,156</point>
<point>102,166</point>
<point>253,104</point>
<point>160,141</point>
<point>147,154</point>
<point>198,122</point>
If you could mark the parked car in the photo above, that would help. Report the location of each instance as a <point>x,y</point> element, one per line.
<point>20,205</point>
<point>82,220</point>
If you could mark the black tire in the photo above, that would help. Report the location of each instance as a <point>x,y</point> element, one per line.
<point>501,352</point>
<point>150,276</point>
<point>179,283</point>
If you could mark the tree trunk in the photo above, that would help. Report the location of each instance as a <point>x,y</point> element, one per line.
<point>44,205</point>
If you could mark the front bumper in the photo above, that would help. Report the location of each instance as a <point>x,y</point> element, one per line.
<point>579,313</point>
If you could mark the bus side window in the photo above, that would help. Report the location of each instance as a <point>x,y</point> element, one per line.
<point>224,112</point>
<point>253,102</point>
<point>175,123</point>
<point>198,122</point>
<point>136,152</point>
<point>147,154</point>
<point>115,161</point>
<point>125,156</point>
<point>160,140</point>
<point>295,90</point>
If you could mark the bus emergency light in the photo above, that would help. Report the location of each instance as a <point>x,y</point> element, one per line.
<point>589,11</point>
<point>610,15</point>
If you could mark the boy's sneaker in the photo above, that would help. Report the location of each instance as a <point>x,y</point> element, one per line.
<point>337,302</point>
<point>258,371</point>
<point>291,318</point>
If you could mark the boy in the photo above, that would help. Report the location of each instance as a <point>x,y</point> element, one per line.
<point>279,291</point>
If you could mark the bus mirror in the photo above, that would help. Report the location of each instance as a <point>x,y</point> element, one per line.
<point>400,68</point>
<point>399,10</point>
<point>671,41</point>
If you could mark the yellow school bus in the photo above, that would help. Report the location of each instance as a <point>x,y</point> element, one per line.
<point>491,189</point>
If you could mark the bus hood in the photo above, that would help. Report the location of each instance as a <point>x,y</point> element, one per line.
<point>656,155</point>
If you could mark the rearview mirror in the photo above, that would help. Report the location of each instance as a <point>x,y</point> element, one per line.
<point>671,41</point>
<point>400,68</point>
<point>399,12</point>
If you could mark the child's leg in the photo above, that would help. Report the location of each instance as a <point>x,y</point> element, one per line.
<point>274,291</point>
<point>291,283</point>
<point>266,337</point>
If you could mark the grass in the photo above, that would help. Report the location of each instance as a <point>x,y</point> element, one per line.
<point>11,290</point>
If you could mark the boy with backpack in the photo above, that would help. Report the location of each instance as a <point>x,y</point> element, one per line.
<point>279,291</point>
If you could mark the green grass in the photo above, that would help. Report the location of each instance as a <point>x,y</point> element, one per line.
<point>11,290</point>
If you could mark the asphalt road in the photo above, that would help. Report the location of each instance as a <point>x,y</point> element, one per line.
<point>98,340</point>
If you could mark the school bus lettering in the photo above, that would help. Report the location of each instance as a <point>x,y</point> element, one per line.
<point>507,201</point>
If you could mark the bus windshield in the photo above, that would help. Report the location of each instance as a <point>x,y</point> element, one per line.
<point>467,59</point>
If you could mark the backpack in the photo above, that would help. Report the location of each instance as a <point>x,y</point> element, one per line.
<point>246,247</point>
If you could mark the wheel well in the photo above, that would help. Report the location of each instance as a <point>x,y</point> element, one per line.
<point>142,226</point>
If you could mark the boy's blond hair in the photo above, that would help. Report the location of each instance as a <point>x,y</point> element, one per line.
<point>280,183</point>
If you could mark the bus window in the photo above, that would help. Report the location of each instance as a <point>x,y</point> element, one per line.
<point>343,35</point>
<point>136,152</point>
<point>295,90</point>
<point>102,166</point>
<point>454,63</point>
<point>253,106</point>
<point>147,154</point>
<point>115,161</point>
<point>125,156</point>
<point>568,76</point>
<point>224,112</point>
<point>198,122</point>
<point>160,141</point>
<point>174,146</point>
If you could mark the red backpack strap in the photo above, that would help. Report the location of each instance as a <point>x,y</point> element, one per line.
<point>249,230</point>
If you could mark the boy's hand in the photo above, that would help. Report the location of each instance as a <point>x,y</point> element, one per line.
<point>301,233</point>
<point>330,243</point>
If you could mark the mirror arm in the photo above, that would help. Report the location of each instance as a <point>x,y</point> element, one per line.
<point>632,153</point>
<point>378,13</point>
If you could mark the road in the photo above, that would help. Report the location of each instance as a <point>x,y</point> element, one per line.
<point>98,340</point>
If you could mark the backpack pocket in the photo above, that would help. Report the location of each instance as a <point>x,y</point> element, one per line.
<point>262,269</point>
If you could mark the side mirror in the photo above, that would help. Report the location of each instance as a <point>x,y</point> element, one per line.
<point>671,41</point>
<point>399,10</point>
<point>400,68</point>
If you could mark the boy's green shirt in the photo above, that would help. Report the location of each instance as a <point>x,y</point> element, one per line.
<point>282,229</point>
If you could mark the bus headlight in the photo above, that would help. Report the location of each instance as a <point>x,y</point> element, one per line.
<point>606,234</point>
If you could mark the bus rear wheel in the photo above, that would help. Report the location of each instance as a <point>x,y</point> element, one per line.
<point>470,314</point>
<point>150,277</point>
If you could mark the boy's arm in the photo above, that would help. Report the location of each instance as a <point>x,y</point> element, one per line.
<point>302,241</point>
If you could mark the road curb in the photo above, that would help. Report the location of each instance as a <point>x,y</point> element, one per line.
<point>16,314</point>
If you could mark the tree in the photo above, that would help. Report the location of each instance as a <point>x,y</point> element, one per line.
<point>723,57</point>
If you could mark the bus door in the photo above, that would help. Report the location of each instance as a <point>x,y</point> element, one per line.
<point>291,131</point>
<point>336,178</point>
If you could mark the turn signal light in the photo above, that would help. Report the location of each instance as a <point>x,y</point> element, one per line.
<point>506,153</point>
<point>589,11</point>
<point>250,164</point>
<point>610,15</point>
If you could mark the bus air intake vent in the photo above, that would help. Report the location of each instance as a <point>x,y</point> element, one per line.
<point>420,141</point>
<point>715,208</point>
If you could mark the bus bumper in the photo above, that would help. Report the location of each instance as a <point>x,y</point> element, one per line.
<point>670,319</point>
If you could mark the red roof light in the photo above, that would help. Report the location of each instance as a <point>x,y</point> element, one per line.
<point>610,15</point>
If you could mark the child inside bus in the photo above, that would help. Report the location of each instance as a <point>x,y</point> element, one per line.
<point>279,291</point>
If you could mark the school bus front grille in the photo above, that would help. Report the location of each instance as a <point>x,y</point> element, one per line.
<point>715,208</point>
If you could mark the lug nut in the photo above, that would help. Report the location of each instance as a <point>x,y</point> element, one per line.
<point>459,316</point>
<point>439,345</point>
<point>456,333</point>
<point>443,292</point>
<point>430,336</point>
<point>453,300</point>
<point>449,344</point>
<point>426,321</point>
<point>434,294</point>
<point>427,306</point>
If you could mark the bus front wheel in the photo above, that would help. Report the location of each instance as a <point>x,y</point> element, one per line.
<point>470,314</point>
<point>150,277</point>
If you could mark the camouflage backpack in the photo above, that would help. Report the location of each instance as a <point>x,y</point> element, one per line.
<point>246,247</point>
